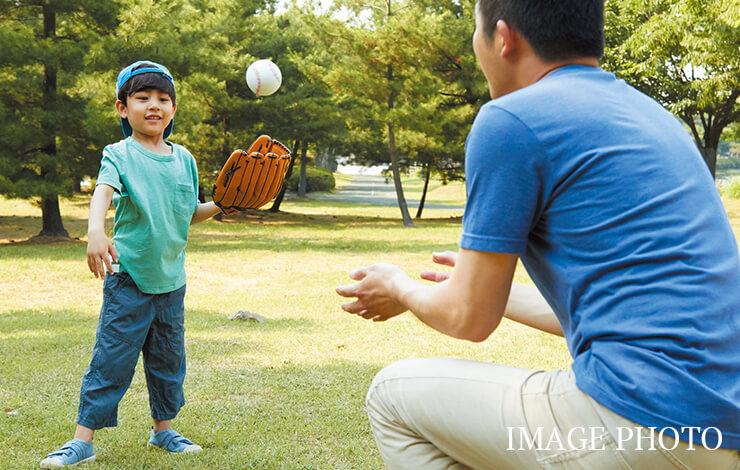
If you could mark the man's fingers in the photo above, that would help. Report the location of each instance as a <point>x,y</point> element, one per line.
<point>113,253</point>
<point>434,276</point>
<point>358,274</point>
<point>346,291</point>
<point>445,258</point>
<point>353,307</point>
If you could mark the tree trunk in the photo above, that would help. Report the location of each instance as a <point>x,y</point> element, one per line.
<point>710,158</point>
<point>407,222</point>
<point>424,192</point>
<point>395,164</point>
<point>302,179</point>
<point>51,217</point>
<point>279,199</point>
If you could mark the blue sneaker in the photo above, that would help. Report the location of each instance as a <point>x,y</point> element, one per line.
<point>73,452</point>
<point>172,441</point>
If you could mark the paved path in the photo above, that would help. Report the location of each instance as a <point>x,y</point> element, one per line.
<point>373,190</point>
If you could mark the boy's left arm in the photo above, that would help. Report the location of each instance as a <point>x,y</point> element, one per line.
<point>204,211</point>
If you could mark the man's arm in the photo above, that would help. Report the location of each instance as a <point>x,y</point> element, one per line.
<point>526,305</point>
<point>204,211</point>
<point>469,305</point>
<point>98,244</point>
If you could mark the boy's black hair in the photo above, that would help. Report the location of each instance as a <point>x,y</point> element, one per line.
<point>146,81</point>
<point>556,29</point>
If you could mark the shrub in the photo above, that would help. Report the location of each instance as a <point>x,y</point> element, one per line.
<point>730,189</point>
<point>317,179</point>
<point>728,163</point>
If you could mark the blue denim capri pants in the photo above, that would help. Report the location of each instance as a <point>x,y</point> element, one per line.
<point>132,321</point>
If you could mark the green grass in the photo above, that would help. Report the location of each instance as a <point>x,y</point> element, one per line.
<point>731,189</point>
<point>341,179</point>
<point>285,394</point>
<point>437,193</point>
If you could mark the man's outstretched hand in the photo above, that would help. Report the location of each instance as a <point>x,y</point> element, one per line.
<point>377,292</point>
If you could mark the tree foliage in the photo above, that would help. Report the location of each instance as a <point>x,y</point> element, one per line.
<point>387,81</point>
<point>685,55</point>
<point>400,74</point>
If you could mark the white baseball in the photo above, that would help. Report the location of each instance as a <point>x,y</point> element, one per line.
<point>264,77</point>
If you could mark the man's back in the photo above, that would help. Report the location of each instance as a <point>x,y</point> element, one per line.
<point>607,201</point>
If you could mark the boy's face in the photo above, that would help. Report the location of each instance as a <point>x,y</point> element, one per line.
<point>148,112</point>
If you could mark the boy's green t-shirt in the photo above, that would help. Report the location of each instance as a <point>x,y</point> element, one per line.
<point>155,198</point>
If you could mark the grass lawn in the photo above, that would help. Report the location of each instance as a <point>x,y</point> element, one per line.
<point>284,394</point>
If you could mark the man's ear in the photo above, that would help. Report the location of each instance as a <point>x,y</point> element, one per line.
<point>121,108</point>
<point>509,39</point>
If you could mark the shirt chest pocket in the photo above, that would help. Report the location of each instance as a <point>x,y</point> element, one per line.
<point>183,199</point>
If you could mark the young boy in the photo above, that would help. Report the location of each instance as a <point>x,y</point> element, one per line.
<point>153,185</point>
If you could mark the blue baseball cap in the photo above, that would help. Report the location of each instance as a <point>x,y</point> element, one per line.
<point>128,72</point>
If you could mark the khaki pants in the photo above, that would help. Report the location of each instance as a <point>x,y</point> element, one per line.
<point>453,414</point>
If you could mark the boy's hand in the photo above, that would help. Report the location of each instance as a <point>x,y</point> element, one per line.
<point>98,249</point>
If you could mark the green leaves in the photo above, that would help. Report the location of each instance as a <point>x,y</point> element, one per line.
<point>685,55</point>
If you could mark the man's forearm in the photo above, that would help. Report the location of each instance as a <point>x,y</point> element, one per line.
<point>442,307</point>
<point>527,306</point>
<point>471,303</point>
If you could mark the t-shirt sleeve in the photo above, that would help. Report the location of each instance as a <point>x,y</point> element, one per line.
<point>505,167</point>
<point>109,172</point>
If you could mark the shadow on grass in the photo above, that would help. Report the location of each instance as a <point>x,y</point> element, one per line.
<point>244,232</point>
<point>20,229</point>
<point>48,250</point>
<point>329,221</point>
<point>329,246</point>
<point>228,243</point>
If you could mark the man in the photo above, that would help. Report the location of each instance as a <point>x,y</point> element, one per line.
<point>604,197</point>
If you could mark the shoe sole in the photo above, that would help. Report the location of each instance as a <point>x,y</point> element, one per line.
<point>194,449</point>
<point>55,464</point>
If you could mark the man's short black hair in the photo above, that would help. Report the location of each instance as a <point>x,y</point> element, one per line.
<point>146,81</point>
<point>556,29</point>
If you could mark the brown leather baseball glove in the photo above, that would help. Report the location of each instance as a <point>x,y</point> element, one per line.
<point>251,178</point>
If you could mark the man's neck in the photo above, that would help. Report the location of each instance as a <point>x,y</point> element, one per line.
<point>532,69</point>
<point>540,69</point>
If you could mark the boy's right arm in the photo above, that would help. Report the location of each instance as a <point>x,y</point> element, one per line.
<point>98,244</point>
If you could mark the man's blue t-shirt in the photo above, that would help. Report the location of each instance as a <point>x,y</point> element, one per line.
<point>606,199</point>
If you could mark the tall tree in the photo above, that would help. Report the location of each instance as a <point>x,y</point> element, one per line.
<point>377,71</point>
<point>685,55</point>
<point>405,73</point>
<point>44,144</point>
